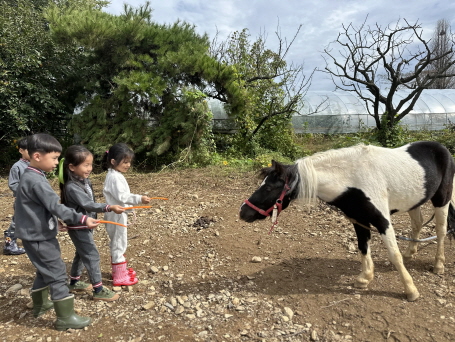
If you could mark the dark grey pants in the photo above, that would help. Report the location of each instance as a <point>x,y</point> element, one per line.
<point>12,226</point>
<point>50,268</point>
<point>86,255</point>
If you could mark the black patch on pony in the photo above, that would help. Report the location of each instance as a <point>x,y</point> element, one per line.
<point>439,168</point>
<point>451,221</point>
<point>356,205</point>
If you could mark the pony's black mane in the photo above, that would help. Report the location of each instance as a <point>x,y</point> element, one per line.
<point>264,172</point>
<point>282,170</point>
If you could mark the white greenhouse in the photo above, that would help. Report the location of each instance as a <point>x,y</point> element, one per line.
<point>343,112</point>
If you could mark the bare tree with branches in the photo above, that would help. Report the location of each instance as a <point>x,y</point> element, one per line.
<point>440,44</point>
<point>275,87</point>
<point>398,53</point>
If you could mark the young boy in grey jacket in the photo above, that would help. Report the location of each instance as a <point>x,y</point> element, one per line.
<point>15,173</point>
<point>37,209</point>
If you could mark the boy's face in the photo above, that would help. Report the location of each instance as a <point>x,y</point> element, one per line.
<point>24,153</point>
<point>45,161</point>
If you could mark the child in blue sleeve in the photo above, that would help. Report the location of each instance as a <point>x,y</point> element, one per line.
<point>10,247</point>
<point>37,210</point>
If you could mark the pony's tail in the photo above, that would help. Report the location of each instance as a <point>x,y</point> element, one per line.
<point>451,215</point>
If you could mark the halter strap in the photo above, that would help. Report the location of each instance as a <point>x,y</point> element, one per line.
<point>259,210</point>
<point>275,209</point>
<point>278,203</point>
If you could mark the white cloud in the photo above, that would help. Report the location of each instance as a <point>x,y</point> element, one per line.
<point>321,20</point>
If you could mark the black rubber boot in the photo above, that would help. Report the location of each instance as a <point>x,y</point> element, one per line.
<point>66,317</point>
<point>41,302</point>
<point>10,247</point>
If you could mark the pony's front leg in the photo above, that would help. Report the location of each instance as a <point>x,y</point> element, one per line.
<point>416,225</point>
<point>397,260</point>
<point>367,273</point>
<point>441,231</point>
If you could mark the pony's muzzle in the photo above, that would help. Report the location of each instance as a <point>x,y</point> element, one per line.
<point>248,214</point>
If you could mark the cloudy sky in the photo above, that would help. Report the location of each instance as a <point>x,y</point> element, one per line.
<point>321,20</point>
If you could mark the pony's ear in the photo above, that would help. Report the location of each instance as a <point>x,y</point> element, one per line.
<point>279,168</point>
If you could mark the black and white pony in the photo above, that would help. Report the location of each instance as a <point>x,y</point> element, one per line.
<point>368,184</point>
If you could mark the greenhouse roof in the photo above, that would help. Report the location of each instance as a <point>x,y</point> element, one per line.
<point>436,101</point>
<point>343,112</point>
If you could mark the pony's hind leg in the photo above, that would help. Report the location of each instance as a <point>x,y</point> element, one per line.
<point>440,214</point>
<point>416,225</point>
<point>397,260</point>
<point>367,273</point>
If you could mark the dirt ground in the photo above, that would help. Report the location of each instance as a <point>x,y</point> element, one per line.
<point>204,275</point>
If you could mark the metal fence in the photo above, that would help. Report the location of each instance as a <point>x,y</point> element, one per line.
<point>343,112</point>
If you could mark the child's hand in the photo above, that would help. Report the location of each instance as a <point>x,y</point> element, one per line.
<point>117,209</point>
<point>92,223</point>
<point>145,199</point>
<point>61,227</point>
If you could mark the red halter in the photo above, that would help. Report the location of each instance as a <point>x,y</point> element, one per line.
<point>275,209</point>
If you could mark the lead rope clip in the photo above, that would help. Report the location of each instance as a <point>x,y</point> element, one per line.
<point>274,218</point>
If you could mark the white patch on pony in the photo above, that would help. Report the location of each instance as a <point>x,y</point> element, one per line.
<point>367,274</point>
<point>416,225</point>
<point>391,178</point>
<point>441,231</point>
<point>396,259</point>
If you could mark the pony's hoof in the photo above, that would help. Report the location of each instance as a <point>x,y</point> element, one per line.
<point>407,258</point>
<point>413,296</point>
<point>438,270</point>
<point>361,284</point>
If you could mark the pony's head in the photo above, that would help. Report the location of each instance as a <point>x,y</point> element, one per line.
<point>278,188</point>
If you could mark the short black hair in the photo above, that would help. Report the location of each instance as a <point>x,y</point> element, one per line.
<point>43,143</point>
<point>22,143</point>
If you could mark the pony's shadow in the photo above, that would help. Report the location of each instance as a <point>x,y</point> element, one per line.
<point>293,276</point>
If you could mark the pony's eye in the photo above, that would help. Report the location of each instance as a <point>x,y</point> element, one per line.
<point>268,188</point>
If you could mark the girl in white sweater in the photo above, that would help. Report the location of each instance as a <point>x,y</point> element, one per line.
<point>116,191</point>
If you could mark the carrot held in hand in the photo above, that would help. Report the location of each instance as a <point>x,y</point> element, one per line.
<point>116,223</point>
<point>138,207</point>
<point>145,206</point>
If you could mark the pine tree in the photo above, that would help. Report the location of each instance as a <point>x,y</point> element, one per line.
<point>144,86</point>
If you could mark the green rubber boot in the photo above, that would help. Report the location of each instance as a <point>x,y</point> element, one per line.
<point>41,302</point>
<point>66,317</point>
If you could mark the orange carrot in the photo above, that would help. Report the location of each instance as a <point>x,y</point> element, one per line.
<point>162,198</point>
<point>138,207</point>
<point>118,224</point>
